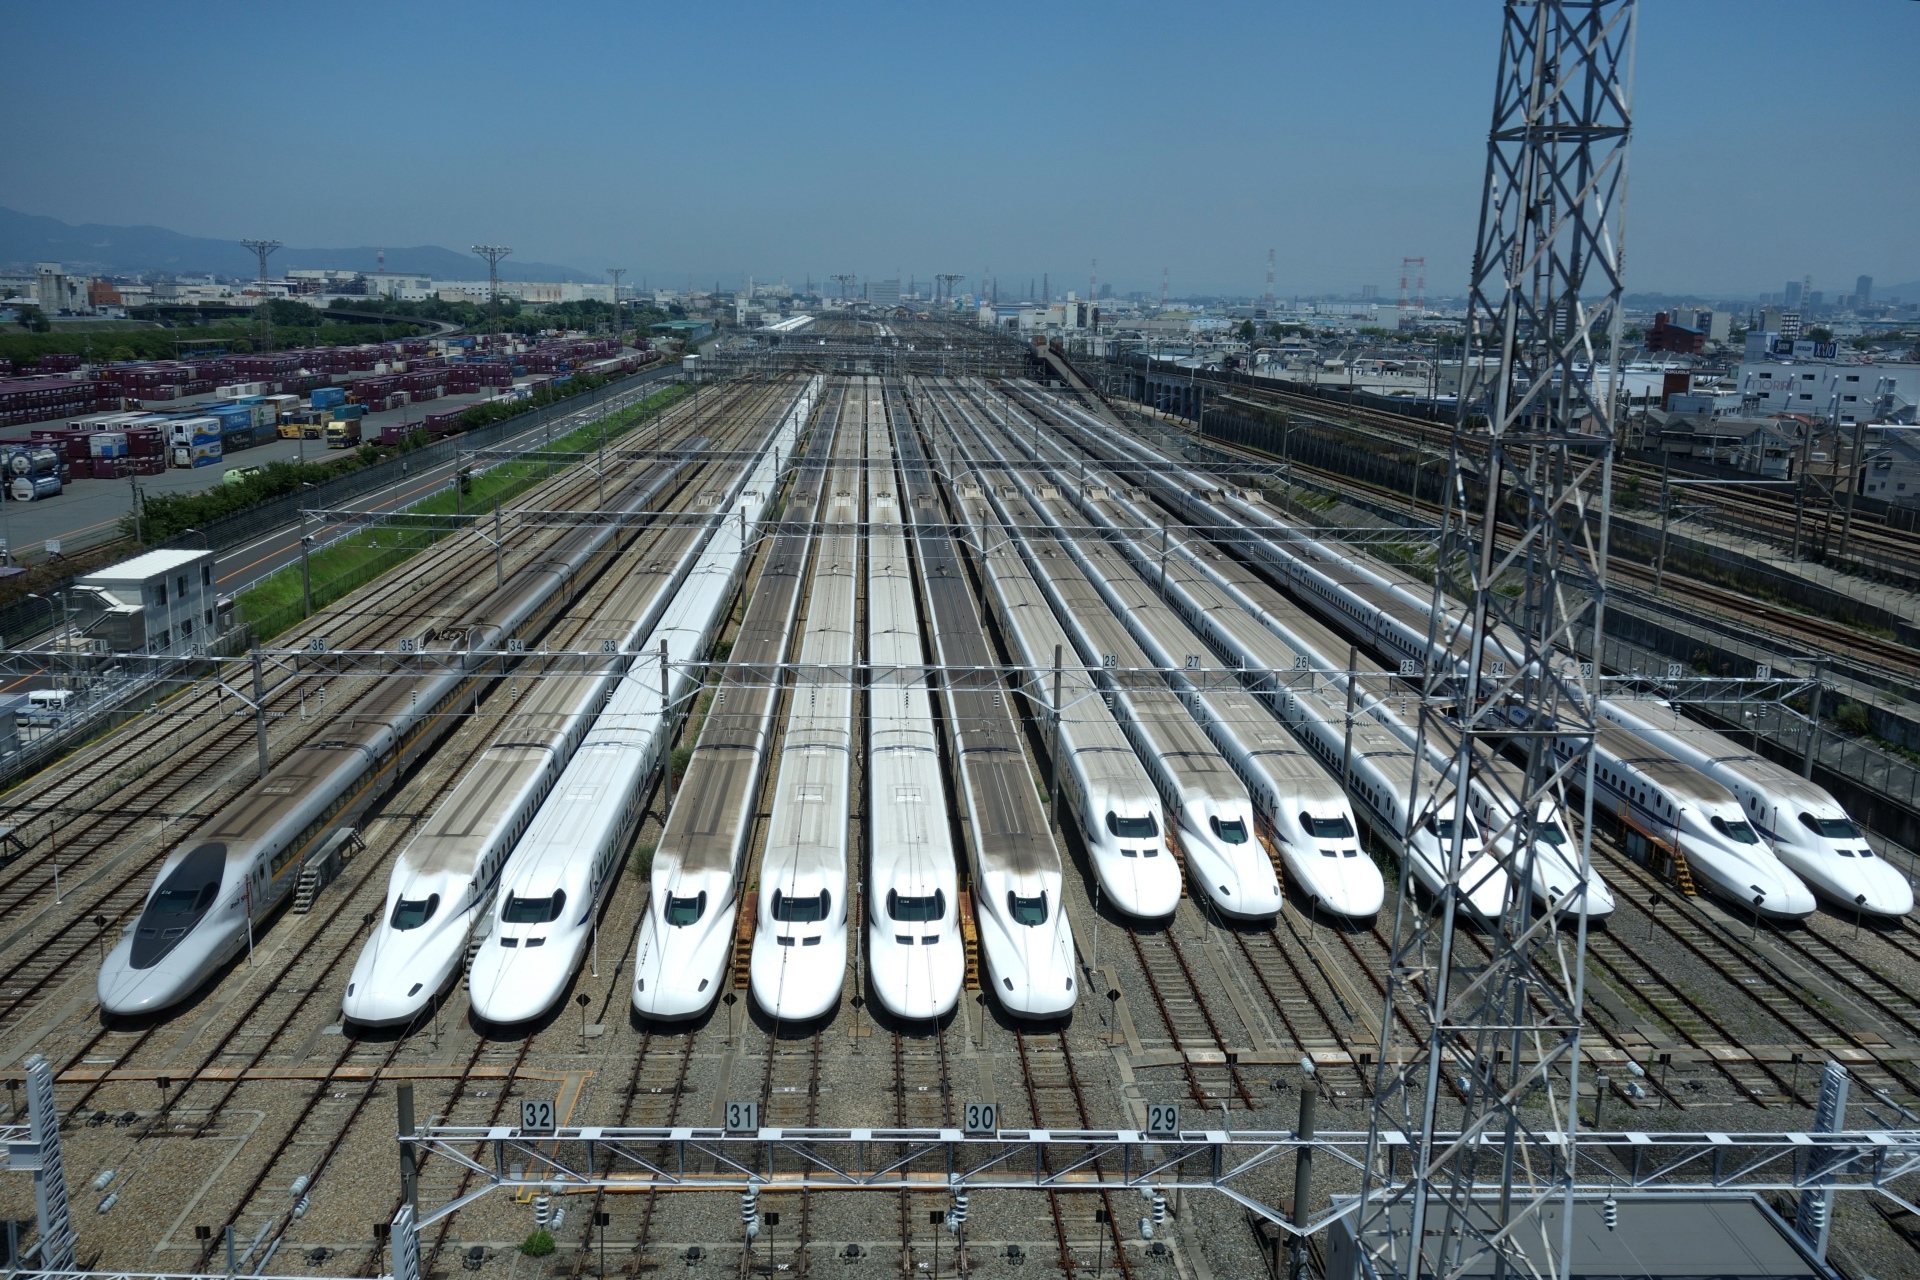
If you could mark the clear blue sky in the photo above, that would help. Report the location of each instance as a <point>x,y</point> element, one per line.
<point>709,141</point>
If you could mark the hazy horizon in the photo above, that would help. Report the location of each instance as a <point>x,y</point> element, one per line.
<point>776,143</point>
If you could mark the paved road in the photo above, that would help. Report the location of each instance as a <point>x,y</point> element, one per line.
<point>237,569</point>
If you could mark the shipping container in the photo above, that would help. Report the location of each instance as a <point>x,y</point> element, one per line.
<point>33,488</point>
<point>107,444</point>
<point>328,397</point>
<point>34,460</point>
<point>207,454</point>
<point>194,431</point>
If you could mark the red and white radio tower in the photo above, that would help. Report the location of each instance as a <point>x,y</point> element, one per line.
<point>1268,300</point>
<point>1417,268</point>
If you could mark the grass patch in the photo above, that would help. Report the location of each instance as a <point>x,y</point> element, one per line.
<point>538,1244</point>
<point>276,602</point>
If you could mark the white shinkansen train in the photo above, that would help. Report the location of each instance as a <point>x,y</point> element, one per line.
<point>563,866</point>
<point>1303,807</point>
<point>1814,836</point>
<point>916,953</point>
<point>1807,827</point>
<point>686,937</point>
<point>1101,780</point>
<point>230,873</point>
<point>444,879</point>
<point>1293,664</point>
<point>1026,936</point>
<point>1213,812</point>
<point>1661,802</point>
<point>799,959</point>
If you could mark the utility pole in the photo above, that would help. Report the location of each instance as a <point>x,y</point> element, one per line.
<point>618,328</point>
<point>261,249</point>
<point>1537,421</point>
<point>493,253</point>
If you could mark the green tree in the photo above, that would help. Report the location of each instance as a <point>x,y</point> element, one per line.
<point>1820,333</point>
<point>1247,331</point>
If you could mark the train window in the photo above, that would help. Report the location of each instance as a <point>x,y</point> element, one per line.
<point>1551,833</point>
<point>1027,911</point>
<point>933,907</point>
<point>533,910</point>
<point>1327,828</point>
<point>1831,828</point>
<point>1234,832</point>
<point>808,910</point>
<point>1132,828</point>
<point>411,914</point>
<point>685,911</point>
<point>1738,832</point>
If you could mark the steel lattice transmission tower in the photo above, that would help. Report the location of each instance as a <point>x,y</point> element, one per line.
<point>493,253</point>
<point>1485,1092</point>
<point>261,249</point>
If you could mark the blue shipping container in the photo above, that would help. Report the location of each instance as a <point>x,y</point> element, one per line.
<point>329,397</point>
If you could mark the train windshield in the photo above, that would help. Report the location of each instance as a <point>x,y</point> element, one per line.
<point>1831,828</point>
<point>1443,828</point>
<point>1327,828</point>
<point>1234,832</point>
<point>1132,828</point>
<point>808,910</point>
<point>684,911</point>
<point>411,914</point>
<point>917,910</point>
<point>533,910</point>
<point>183,902</point>
<point>1027,911</point>
<point>1737,831</point>
<point>1551,833</point>
<point>178,904</point>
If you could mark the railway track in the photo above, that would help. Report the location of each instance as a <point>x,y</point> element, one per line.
<point>1189,1020</point>
<point>1787,628</point>
<point>1082,1223</point>
<point>1756,514</point>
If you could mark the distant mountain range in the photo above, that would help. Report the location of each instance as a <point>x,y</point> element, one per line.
<point>27,238</point>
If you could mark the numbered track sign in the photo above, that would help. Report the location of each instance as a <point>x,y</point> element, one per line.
<point>982,1118</point>
<point>743,1117</point>
<point>536,1114</point>
<point>1163,1120</point>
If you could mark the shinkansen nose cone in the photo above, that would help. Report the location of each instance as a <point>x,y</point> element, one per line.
<point>406,963</point>
<point>184,933</point>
